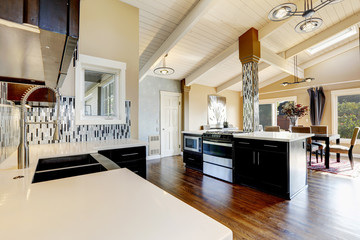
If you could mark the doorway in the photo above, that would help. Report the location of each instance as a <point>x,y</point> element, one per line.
<point>170,123</point>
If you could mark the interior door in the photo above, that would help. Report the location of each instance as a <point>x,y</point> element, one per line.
<point>170,123</point>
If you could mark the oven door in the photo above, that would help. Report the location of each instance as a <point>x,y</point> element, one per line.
<point>192,143</point>
<point>217,148</point>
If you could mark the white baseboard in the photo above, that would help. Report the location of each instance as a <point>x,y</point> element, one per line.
<point>152,157</point>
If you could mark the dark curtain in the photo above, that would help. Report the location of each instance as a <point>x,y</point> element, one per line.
<point>321,103</point>
<point>317,104</point>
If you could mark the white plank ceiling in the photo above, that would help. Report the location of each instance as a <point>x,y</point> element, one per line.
<point>220,27</point>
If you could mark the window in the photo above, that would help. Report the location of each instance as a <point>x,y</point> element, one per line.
<point>108,99</point>
<point>333,40</point>
<point>100,91</point>
<point>345,111</point>
<point>270,112</point>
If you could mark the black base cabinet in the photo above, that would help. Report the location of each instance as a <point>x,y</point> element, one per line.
<point>133,158</point>
<point>193,160</point>
<point>271,166</point>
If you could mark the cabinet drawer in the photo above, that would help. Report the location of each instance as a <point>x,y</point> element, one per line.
<point>272,146</point>
<point>262,145</point>
<point>193,160</point>
<point>125,154</point>
<point>137,166</point>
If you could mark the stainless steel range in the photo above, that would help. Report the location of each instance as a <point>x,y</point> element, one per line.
<point>217,154</point>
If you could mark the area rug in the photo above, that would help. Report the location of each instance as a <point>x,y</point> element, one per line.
<point>341,168</point>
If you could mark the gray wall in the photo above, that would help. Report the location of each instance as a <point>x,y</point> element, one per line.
<point>149,104</point>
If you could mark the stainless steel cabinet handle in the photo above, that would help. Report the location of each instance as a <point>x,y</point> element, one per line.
<point>218,144</point>
<point>274,146</point>
<point>258,158</point>
<point>191,159</point>
<point>129,154</point>
<point>244,143</point>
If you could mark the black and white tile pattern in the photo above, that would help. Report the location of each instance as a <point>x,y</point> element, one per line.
<point>42,134</point>
<point>69,132</point>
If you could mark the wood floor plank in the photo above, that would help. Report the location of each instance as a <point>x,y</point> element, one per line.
<point>328,209</point>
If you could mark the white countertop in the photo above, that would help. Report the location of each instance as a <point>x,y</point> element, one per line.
<point>195,132</point>
<point>115,204</point>
<point>274,136</point>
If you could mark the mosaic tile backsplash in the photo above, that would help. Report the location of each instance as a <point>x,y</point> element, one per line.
<point>69,132</point>
<point>42,133</point>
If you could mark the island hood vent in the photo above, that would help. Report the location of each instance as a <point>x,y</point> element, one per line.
<point>33,55</point>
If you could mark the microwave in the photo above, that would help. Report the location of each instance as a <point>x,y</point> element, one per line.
<point>193,143</point>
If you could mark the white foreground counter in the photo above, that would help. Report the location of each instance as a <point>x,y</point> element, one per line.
<point>115,204</point>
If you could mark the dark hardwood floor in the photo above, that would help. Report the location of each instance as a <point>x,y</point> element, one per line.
<point>328,209</point>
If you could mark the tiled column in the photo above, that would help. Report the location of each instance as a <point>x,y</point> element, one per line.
<point>249,53</point>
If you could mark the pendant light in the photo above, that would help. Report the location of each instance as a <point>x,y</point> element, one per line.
<point>296,79</point>
<point>164,70</point>
<point>286,10</point>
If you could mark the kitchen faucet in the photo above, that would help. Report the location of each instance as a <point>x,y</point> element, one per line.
<point>23,149</point>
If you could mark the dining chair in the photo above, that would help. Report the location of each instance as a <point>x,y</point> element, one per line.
<point>319,129</point>
<point>272,129</point>
<point>336,148</point>
<point>310,146</point>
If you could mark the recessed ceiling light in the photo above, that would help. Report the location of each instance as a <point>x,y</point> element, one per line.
<point>332,40</point>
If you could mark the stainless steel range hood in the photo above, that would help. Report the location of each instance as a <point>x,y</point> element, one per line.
<point>27,52</point>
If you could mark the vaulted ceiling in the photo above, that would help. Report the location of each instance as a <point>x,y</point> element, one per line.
<point>201,38</point>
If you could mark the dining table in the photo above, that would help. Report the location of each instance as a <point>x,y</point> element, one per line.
<point>327,138</point>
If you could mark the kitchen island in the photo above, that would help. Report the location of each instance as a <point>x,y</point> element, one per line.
<point>274,162</point>
<point>116,204</point>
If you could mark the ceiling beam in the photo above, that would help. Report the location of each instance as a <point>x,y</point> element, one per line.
<point>275,60</point>
<point>264,32</point>
<point>331,31</point>
<point>332,53</point>
<point>273,79</point>
<point>223,56</point>
<point>262,66</point>
<point>181,30</point>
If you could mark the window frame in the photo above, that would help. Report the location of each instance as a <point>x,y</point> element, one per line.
<point>273,101</point>
<point>334,108</point>
<point>118,69</point>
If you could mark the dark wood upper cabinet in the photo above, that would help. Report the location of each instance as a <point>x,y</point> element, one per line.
<point>31,12</point>
<point>12,10</point>
<point>60,16</point>
<point>54,15</point>
<point>73,22</point>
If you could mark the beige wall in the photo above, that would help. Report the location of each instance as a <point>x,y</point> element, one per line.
<point>110,29</point>
<point>198,97</point>
<point>340,72</point>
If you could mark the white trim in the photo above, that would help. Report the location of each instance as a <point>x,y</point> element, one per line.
<point>173,94</point>
<point>101,65</point>
<point>152,157</point>
<point>334,110</point>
